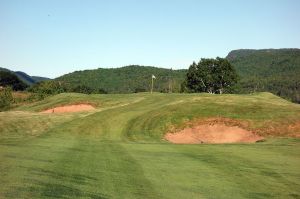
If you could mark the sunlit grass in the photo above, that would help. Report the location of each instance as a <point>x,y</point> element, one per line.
<point>117,150</point>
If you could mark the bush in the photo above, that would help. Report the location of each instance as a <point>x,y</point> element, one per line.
<point>82,89</point>
<point>6,98</point>
<point>48,88</point>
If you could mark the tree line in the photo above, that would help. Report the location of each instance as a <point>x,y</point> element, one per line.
<point>243,71</point>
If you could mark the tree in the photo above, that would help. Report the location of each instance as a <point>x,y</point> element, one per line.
<point>210,75</point>
<point>225,75</point>
<point>48,87</point>
<point>82,89</point>
<point>6,98</point>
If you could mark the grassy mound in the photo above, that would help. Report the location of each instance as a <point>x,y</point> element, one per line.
<point>117,150</point>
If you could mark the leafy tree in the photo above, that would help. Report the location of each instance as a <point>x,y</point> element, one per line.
<point>100,91</point>
<point>210,75</point>
<point>225,75</point>
<point>6,98</point>
<point>139,90</point>
<point>82,89</point>
<point>46,88</point>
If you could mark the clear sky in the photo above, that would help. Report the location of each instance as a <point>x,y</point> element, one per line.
<point>53,37</point>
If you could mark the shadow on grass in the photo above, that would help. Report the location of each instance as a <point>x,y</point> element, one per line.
<point>12,156</point>
<point>43,183</point>
<point>40,189</point>
<point>59,176</point>
<point>62,191</point>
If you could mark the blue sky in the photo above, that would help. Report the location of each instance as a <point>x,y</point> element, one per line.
<point>54,37</point>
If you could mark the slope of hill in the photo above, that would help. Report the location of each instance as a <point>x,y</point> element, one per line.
<point>127,79</point>
<point>39,79</point>
<point>273,70</point>
<point>8,78</point>
<point>27,79</point>
<point>117,150</point>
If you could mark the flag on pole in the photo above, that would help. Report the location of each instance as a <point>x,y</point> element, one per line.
<point>153,77</point>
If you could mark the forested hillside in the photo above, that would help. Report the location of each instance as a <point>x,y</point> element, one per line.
<point>25,78</point>
<point>9,79</point>
<point>273,70</point>
<point>127,79</point>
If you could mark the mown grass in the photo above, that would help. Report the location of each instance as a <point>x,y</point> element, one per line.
<point>117,150</point>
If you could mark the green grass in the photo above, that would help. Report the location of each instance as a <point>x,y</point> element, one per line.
<point>117,150</point>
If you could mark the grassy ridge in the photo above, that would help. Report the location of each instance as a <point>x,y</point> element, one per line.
<point>116,151</point>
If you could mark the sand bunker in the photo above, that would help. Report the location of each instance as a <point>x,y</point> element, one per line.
<point>70,108</point>
<point>216,133</point>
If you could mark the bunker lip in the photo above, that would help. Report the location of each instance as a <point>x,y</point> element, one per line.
<point>69,108</point>
<point>220,130</point>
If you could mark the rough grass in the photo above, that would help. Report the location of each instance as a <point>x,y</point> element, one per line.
<point>117,150</point>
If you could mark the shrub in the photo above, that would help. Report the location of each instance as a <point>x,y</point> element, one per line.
<point>6,98</point>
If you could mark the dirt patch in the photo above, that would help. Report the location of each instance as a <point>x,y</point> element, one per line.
<point>294,129</point>
<point>285,128</point>
<point>213,130</point>
<point>70,108</point>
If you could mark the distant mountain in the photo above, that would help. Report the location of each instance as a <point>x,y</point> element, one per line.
<point>274,70</point>
<point>39,79</point>
<point>127,79</point>
<point>27,79</point>
<point>8,78</point>
<point>4,69</point>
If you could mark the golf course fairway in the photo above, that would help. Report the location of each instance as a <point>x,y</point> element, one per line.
<point>118,150</point>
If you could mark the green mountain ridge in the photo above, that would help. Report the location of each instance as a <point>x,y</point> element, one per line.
<point>128,79</point>
<point>24,77</point>
<point>9,79</point>
<point>273,70</point>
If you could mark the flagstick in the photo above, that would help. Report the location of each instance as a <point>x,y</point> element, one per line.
<point>152,85</point>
